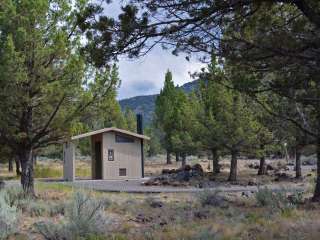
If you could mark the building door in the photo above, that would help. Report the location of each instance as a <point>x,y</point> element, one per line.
<point>98,160</point>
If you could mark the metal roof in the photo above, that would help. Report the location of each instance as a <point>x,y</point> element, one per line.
<point>112,129</point>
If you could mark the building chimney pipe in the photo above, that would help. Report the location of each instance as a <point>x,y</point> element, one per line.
<point>140,131</point>
<point>139,124</point>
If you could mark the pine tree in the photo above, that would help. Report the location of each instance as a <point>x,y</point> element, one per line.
<point>165,113</point>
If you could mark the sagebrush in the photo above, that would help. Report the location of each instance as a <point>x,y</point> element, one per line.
<point>9,216</point>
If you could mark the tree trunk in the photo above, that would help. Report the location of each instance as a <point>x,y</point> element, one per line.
<point>215,161</point>
<point>169,158</point>
<point>34,156</point>
<point>262,166</point>
<point>18,171</point>
<point>233,167</point>
<point>27,182</point>
<point>316,195</point>
<point>10,167</point>
<point>184,160</point>
<point>298,162</point>
<point>177,157</point>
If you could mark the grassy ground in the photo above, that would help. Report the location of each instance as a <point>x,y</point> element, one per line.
<point>49,169</point>
<point>170,216</point>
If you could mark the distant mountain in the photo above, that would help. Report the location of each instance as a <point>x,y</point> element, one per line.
<point>146,104</point>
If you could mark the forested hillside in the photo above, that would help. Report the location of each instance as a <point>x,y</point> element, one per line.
<point>145,104</point>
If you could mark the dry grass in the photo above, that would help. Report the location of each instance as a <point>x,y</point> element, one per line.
<point>182,216</point>
<point>173,216</point>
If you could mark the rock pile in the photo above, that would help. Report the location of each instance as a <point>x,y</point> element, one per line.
<point>177,177</point>
<point>281,176</point>
<point>253,165</point>
<point>256,166</point>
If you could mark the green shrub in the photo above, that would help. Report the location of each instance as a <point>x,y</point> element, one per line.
<point>106,202</point>
<point>36,208</point>
<point>274,200</point>
<point>14,195</point>
<point>86,215</point>
<point>296,197</point>
<point>57,209</point>
<point>206,234</point>
<point>51,231</point>
<point>8,216</point>
<point>153,202</point>
<point>211,198</point>
<point>33,207</point>
<point>84,218</point>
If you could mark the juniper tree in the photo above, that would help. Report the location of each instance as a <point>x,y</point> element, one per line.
<point>211,102</point>
<point>44,79</point>
<point>230,122</point>
<point>185,125</point>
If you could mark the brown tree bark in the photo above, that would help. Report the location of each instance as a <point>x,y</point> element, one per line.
<point>298,162</point>
<point>169,158</point>
<point>34,156</point>
<point>27,181</point>
<point>233,167</point>
<point>10,167</point>
<point>215,161</point>
<point>18,171</point>
<point>183,160</point>
<point>262,166</point>
<point>177,157</point>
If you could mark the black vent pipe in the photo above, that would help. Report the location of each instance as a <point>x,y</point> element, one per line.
<point>139,124</point>
<point>140,131</point>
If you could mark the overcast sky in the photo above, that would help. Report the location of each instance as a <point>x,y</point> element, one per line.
<point>145,75</point>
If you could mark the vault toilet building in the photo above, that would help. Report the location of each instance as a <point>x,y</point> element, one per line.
<point>116,154</point>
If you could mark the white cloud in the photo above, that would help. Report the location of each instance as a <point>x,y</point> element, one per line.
<point>146,75</point>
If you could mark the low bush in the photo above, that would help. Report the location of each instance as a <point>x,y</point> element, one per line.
<point>275,200</point>
<point>84,218</point>
<point>51,231</point>
<point>14,195</point>
<point>153,202</point>
<point>86,215</point>
<point>8,216</point>
<point>206,234</point>
<point>211,198</point>
<point>57,209</point>
<point>36,208</point>
<point>296,198</point>
<point>32,206</point>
